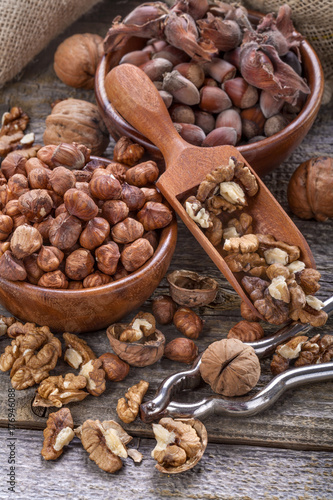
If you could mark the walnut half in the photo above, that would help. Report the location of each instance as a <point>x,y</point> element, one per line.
<point>58,433</point>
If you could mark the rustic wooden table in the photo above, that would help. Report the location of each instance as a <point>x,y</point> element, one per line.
<point>283,453</point>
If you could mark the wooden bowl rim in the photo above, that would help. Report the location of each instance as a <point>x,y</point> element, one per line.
<point>314,75</point>
<point>168,234</point>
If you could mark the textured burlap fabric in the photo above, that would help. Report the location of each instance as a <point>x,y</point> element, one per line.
<point>27,26</point>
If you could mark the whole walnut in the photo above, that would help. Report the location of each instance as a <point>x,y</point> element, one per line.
<point>76,60</point>
<point>74,120</point>
<point>310,189</point>
<point>230,367</point>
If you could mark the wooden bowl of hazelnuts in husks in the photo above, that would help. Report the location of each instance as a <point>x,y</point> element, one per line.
<point>235,99</point>
<point>79,255</point>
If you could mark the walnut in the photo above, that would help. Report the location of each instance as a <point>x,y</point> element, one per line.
<point>58,391</point>
<point>243,262</point>
<point>216,204</point>
<point>105,442</point>
<point>125,151</point>
<point>259,272</point>
<point>246,331</point>
<point>74,120</point>
<point>17,328</point>
<point>188,322</point>
<point>310,189</point>
<point>279,364</point>
<point>181,444</point>
<point>277,252</point>
<point>31,357</point>
<point>308,280</point>
<point>95,376</point>
<point>215,231</point>
<point>284,353</point>
<point>248,243</point>
<point>223,173</point>
<point>14,122</point>
<point>230,367</point>
<point>5,323</point>
<point>76,59</point>
<point>57,434</point>
<point>233,193</point>
<point>278,289</point>
<point>197,212</point>
<point>245,176</point>
<point>277,270</point>
<point>128,410</point>
<point>310,315</point>
<point>238,227</point>
<point>77,352</point>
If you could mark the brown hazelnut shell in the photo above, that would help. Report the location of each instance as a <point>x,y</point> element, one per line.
<point>190,462</point>
<point>188,288</point>
<point>135,353</point>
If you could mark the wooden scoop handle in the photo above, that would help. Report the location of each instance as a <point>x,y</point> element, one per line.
<point>136,98</point>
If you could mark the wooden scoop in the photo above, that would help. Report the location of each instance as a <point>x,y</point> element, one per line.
<point>136,98</point>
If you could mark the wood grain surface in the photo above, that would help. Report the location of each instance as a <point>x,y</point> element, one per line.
<point>302,419</point>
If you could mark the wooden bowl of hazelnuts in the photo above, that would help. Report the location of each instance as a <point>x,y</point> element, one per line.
<point>261,101</point>
<point>83,241</point>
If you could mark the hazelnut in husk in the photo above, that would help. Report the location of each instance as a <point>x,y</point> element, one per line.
<point>310,189</point>
<point>230,367</point>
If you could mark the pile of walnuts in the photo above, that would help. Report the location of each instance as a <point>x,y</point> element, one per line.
<point>67,221</point>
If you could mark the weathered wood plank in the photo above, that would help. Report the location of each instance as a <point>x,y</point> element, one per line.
<point>225,472</point>
<point>303,418</point>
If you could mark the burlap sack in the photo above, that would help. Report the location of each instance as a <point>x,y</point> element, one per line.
<point>27,26</point>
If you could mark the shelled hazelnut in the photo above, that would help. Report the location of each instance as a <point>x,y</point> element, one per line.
<point>71,222</point>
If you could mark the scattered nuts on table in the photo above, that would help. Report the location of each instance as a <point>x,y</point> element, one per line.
<point>30,357</point>
<point>246,331</point>
<point>58,390</point>
<point>188,288</point>
<point>310,189</point>
<point>301,351</point>
<point>128,410</point>
<point>71,222</point>
<point>57,434</point>
<point>181,349</point>
<point>181,443</point>
<point>230,367</point>
<point>105,442</point>
<point>188,322</point>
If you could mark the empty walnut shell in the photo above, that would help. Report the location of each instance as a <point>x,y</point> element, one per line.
<point>135,353</point>
<point>188,288</point>
<point>192,461</point>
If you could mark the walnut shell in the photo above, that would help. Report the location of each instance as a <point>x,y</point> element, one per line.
<point>310,189</point>
<point>74,120</point>
<point>230,367</point>
<point>188,288</point>
<point>135,353</point>
<point>76,60</point>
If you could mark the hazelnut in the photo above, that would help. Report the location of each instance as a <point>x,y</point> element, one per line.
<point>61,180</point>
<point>154,215</point>
<point>230,367</point>
<point>107,257</point>
<point>65,231</point>
<point>115,368</point>
<point>73,156</point>
<point>105,186</point>
<point>79,264</point>
<point>80,204</point>
<point>33,163</point>
<point>127,231</point>
<point>133,197</point>
<point>14,163</point>
<point>136,254</point>
<point>39,178</point>
<point>125,151</point>
<point>11,268</point>
<point>247,312</point>
<point>44,226</point>
<point>54,279</point>
<point>246,331</point>
<point>182,350</point>
<point>34,272</point>
<point>49,258</point>
<point>152,237</point>
<point>115,211</point>
<point>95,232</point>
<point>142,174</point>
<point>35,204</point>
<point>75,285</point>
<point>96,279</point>
<point>25,241</point>
<point>6,226</point>
<point>11,208</point>
<point>151,194</point>
<point>18,185</point>
<point>188,322</point>
<point>164,309</point>
<point>83,186</point>
<point>118,170</point>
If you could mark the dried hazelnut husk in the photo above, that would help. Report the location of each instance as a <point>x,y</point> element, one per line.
<point>310,189</point>
<point>230,367</point>
<point>154,215</point>
<point>76,59</point>
<point>188,288</point>
<point>35,204</point>
<point>164,309</point>
<point>188,322</point>
<point>181,443</point>
<point>115,368</point>
<point>136,353</point>
<point>74,120</point>
<point>181,349</point>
